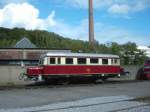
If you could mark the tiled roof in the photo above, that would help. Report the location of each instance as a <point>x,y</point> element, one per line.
<point>24,43</point>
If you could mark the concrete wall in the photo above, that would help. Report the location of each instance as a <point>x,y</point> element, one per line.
<point>133,71</point>
<point>9,75</point>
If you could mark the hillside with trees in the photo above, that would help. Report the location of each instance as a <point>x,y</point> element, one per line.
<point>128,52</point>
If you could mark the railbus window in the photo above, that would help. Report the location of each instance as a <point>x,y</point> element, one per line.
<point>94,60</point>
<point>81,60</point>
<point>147,62</point>
<point>118,61</point>
<point>59,60</point>
<point>112,61</point>
<point>105,61</point>
<point>115,61</point>
<point>52,60</point>
<point>69,60</point>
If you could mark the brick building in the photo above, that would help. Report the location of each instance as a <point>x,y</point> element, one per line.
<point>24,52</point>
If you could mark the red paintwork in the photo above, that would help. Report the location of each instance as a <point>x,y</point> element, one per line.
<point>146,70</point>
<point>74,70</point>
<point>148,76</point>
<point>34,70</point>
<point>147,64</point>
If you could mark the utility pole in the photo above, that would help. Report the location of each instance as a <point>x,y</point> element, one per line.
<point>91,24</point>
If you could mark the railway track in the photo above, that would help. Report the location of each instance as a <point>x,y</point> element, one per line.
<point>125,109</point>
<point>103,104</point>
<point>39,85</point>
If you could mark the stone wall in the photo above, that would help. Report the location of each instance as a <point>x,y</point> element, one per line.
<point>132,71</point>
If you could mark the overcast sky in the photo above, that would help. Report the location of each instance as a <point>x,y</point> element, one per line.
<point>115,20</point>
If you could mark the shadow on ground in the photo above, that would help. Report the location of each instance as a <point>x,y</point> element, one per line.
<point>74,81</point>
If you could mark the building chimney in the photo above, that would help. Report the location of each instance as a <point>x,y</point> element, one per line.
<point>91,23</point>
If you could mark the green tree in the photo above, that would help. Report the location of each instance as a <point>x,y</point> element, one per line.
<point>131,55</point>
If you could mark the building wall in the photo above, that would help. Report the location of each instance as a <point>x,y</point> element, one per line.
<point>132,69</point>
<point>12,56</point>
<point>9,76</point>
<point>145,49</point>
<point>30,54</point>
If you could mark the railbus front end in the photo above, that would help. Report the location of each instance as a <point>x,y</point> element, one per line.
<point>146,70</point>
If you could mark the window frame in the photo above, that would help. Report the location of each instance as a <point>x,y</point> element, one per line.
<point>79,61</point>
<point>59,60</point>
<point>54,61</point>
<point>103,61</point>
<point>70,58</point>
<point>97,60</point>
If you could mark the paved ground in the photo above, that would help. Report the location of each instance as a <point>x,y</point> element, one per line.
<point>98,104</point>
<point>22,98</point>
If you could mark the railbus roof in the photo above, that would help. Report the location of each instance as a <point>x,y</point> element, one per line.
<point>60,54</point>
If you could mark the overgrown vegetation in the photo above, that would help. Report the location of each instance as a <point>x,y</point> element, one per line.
<point>128,52</point>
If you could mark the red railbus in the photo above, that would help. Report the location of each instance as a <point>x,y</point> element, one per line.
<point>146,70</point>
<point>55,65</point>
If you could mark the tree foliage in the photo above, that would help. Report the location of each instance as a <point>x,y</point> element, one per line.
<point>128,52</point>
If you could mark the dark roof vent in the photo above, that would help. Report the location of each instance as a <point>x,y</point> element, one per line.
<point>24,43</point>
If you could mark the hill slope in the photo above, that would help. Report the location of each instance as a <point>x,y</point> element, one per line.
<point>43,39</point>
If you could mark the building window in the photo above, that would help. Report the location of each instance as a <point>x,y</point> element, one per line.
<point>52,60</point>
<point>69,60</point>
<point>94,61</point>
<point>81,60</point>
<point>19,62</point>
<point>105,61</point>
